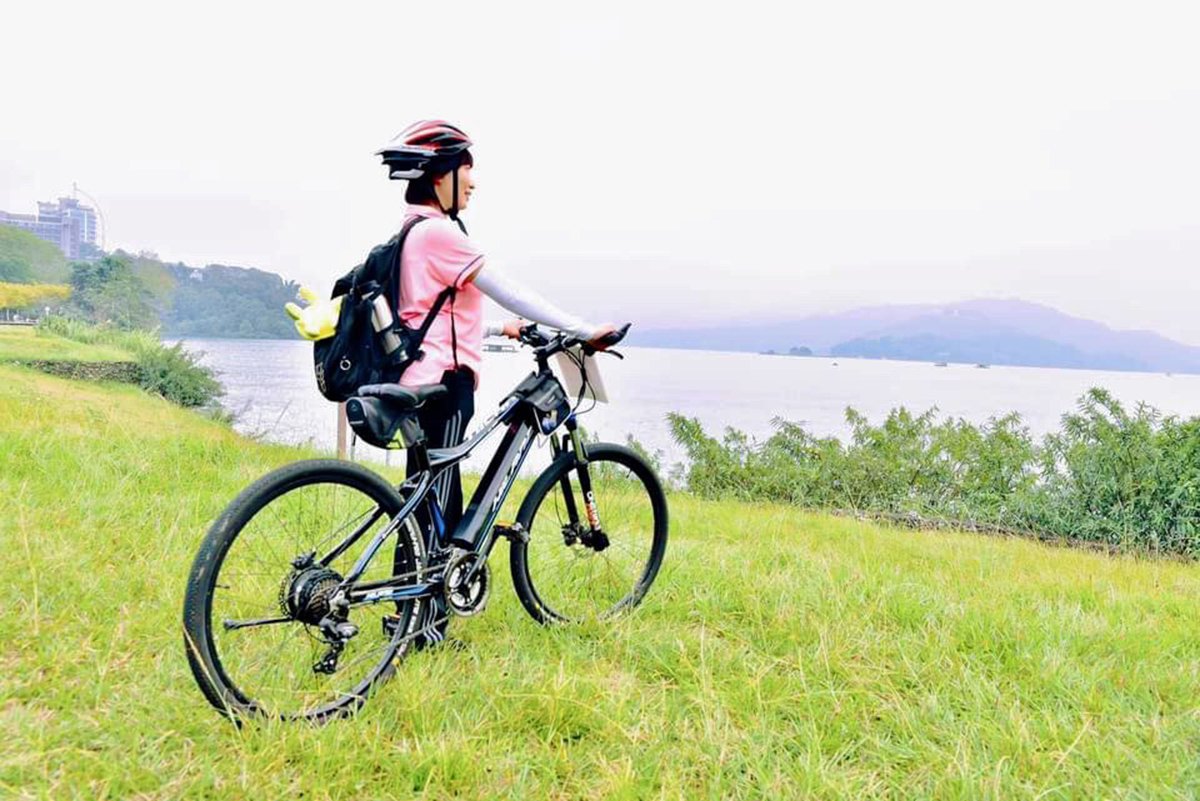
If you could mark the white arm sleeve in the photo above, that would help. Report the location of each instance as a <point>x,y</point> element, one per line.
<point>525,302</point>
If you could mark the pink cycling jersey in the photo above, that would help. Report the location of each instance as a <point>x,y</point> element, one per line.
<point>437,255</point>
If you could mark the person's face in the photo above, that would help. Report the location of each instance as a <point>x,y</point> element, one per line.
<point>444,186</point>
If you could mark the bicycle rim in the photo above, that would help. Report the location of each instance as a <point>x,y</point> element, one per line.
<point>271,669</point>
<point>569,579</point>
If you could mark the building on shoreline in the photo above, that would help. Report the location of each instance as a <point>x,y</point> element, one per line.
<point>67,224</point>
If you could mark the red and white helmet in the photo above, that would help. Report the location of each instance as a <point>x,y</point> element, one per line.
<point>425,146</point>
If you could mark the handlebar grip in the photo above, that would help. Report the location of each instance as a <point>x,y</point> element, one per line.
<point>612,337</point>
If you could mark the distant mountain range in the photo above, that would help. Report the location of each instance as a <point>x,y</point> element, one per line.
<point>1011,332</point>
<point>220,301</point>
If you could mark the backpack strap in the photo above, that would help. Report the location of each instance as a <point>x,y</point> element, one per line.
<point>409,224</point>
<point>381,264</point>
<point>446,294</point>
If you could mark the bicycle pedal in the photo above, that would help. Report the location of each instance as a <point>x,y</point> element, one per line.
<point>514,533</point>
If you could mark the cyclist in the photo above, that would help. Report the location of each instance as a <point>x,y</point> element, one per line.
<point>435,158</point>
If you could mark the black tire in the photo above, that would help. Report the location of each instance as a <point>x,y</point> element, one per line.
<point>559,581</point>
<point>242,568</point>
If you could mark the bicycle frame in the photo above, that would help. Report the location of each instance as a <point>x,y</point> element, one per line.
<point>475,532</point>
<point>314,602</point>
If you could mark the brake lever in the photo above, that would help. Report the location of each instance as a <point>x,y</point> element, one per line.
<point>588,350</point>
<point>614,336</point>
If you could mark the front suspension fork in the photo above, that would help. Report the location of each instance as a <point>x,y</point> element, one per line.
<point>593,535</point>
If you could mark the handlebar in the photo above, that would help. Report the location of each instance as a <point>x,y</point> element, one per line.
<point>548,346</point>
<point>609,339</point>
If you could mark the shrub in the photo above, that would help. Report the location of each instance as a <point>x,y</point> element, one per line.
<point>177,375</point>
<point>1124,479</point>
<point>169,371</point>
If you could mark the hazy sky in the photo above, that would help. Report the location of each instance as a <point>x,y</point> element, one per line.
<point>665,163</point>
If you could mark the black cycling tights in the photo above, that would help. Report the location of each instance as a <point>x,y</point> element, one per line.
<point>444,421</point>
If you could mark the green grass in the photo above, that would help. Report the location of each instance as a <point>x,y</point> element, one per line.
<point>780,654</point>
<point>26,343</point>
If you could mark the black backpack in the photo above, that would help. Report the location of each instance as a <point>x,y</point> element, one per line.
<point>356,354</point>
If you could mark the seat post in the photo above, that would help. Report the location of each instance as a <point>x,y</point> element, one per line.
<point>419,451</point>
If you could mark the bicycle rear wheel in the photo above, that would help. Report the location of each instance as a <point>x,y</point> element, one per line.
<point>253,604</point>
<point>566,571</point>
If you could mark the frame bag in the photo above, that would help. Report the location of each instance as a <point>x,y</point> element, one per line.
<point>370,345</point>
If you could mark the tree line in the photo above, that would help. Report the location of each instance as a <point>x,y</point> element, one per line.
<point>141,292</point>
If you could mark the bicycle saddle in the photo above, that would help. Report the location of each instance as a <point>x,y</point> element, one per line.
<point>403,397</point>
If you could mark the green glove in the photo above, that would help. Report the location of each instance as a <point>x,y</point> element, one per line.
<point>319,319</point>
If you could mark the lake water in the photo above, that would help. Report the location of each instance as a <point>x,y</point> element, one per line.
<point>270,388</point>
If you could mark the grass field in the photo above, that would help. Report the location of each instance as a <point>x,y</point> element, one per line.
<point>780,654</point>
<point>26,343</point>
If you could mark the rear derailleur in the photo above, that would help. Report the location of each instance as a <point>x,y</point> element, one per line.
<point>336,631</point>
<point>311,595</point>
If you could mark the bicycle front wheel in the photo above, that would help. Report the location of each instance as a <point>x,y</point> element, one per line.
<point>571,570</point>
<point>263,582</point>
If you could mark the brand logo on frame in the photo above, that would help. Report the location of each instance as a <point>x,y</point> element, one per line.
<point>509,475</point>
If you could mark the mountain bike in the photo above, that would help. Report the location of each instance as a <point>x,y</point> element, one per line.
<point>321,576</point>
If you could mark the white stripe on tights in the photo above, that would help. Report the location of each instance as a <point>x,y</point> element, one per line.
<point>457,438</point>
<point>441,482</point>
<point>451,434</point>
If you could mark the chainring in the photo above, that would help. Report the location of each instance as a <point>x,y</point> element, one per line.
<point>467,595</point>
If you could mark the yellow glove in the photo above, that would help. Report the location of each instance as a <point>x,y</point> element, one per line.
<point>319,319</point>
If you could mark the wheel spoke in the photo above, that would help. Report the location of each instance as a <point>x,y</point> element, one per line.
<point>579,582</point>
<point>264,656</point>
